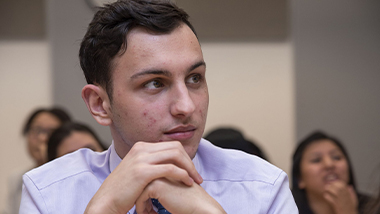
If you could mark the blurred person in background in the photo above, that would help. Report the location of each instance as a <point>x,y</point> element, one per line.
<point>37,129</point>
<point>70,137</point>
<point>323,179</point>
<point>231,138</point>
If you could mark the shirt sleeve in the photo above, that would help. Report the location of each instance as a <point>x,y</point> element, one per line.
<point>283,201</point>
<point>31,199</point>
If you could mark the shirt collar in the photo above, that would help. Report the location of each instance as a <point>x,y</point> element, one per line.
<point>197,160</point>
<point>114,158</point>
<point>114,161</point>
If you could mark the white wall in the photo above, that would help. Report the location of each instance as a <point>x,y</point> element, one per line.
<point>251,88</point>
<point>25,83</point>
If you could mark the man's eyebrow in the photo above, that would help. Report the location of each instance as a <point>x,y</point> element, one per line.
<point>165,72</point>
<point>196,65</point>
<point>149,72</point>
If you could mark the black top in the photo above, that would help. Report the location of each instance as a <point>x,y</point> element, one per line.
<point>304,208</point>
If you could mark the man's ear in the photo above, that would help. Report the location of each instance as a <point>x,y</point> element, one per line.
<point>98,104</point>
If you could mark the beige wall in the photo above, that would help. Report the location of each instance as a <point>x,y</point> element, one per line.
<point>251,88</point>
<point>25,83</point>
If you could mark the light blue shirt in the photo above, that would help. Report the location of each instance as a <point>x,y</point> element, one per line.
<point>241,183</point>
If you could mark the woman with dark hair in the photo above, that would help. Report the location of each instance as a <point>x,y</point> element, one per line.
<point>323,179</point>
<point>40,124</point>
<point>37,129</point>
<point>70,137</point>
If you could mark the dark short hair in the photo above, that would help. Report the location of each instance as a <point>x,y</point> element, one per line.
<point>231,138</point>
<point>61,114</point>
<point>300,194</point>
<point>106,34</point>
<point>63,132</point>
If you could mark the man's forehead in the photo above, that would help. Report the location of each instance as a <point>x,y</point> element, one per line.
<point>141,33</point>
<point>149,50</point>
<point>145,30</point>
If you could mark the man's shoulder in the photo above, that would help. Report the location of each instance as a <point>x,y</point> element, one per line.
<point>235,166</point>
<point>69,166</point>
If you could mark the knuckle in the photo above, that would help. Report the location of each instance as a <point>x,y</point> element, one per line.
<point>138,146</point>
<point>170,169</point>
<point>155,187</point>
<point>177,154</point>
<point>177,143</point>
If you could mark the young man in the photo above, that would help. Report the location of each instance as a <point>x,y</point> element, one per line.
<point>146,81</point>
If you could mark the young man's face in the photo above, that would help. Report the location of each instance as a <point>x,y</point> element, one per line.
<point>159,90</point>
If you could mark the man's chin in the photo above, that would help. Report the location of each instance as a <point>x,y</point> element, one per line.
<point>191,149</point>
<point>190,141</point>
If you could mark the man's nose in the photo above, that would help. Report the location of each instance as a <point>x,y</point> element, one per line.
<point>182,102</point>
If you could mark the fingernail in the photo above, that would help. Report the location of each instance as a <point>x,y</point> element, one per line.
<point>200,178</point>
<point>191,181</point>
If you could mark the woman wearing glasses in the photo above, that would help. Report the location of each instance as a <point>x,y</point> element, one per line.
<point>37,129</point>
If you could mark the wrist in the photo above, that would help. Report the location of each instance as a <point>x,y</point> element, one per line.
<point>216,209</point>
<point>101,206</point>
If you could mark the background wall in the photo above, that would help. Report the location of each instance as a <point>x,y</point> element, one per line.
<point>251,88</point>
<point>25,80</point>
<point>25,83</point>
<point>337,71</point>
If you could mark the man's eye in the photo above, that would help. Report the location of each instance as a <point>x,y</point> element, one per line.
<point>154,84</point>
<point>196,78</point>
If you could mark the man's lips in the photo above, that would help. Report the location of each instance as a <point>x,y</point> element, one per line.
<point>181,132</point>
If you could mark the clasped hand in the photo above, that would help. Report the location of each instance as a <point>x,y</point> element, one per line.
<point>154,170</point>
